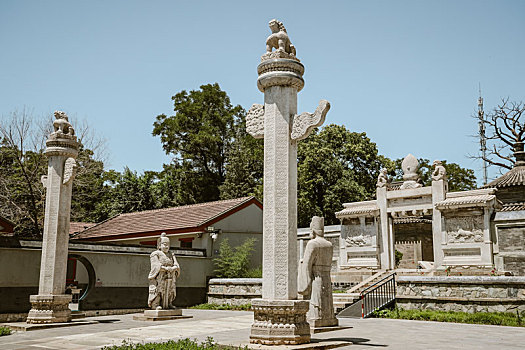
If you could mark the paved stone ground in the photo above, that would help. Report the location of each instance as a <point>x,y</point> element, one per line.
<point>233,327</point>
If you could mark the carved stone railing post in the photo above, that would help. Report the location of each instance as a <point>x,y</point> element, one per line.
<point>279,318</point>
<point>52,304</point>
<point>439,192</point>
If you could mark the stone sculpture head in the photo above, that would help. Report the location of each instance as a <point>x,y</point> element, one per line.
<point>163,243</point>
<point>274,26</point>
<point>317,227</point>
<point>437,163</point>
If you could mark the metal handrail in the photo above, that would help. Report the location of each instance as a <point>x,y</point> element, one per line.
<point>378,282</point>
<point>378,295</point>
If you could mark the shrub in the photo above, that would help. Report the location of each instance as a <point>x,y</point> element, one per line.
<point>254,273</point>
<point>4,331</point>
<point>182,344</point>
<point>490,318</point>
<point>398,257</point>
<point>234,263</point>
<point>243,307</point>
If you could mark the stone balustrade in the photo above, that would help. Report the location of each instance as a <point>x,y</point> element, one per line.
<point>234,291</point>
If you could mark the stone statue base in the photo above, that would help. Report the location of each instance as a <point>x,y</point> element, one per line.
<point>323,323</point>
<point>49,309</point>
<point>280,322</point>
<point>160,315</point>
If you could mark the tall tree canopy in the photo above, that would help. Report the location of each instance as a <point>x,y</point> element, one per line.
<point>23,162</point>
<point>199,137</point>
<point>335,166</point>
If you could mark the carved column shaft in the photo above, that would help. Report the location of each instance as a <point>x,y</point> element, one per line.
<point>280,195</point>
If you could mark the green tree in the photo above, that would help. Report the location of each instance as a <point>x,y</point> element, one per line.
<point>23,162</point>
<point>335,166</point>
<point>234,262</point>
<point>244,168</point>
<point>128,192</point>
<point>459,179</point>
<point>199,137</point>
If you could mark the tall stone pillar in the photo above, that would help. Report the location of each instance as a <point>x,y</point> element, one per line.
<point>279,318</point>
<point>439,192</point>
<point>385,243</point>
<point>51,304</point>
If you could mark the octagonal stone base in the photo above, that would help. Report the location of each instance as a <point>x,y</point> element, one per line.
<point>49,309</point>
<point>280,322</point>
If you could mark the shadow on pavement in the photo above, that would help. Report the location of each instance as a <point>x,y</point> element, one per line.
<point>109,321</point>
<point>357,341</point>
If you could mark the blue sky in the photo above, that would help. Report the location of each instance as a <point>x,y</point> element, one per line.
<point>404,72</point>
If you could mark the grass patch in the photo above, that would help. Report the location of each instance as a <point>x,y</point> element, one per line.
<point>339,291</point>
<point>243,307</point>
<point>182,344</point>
<point>490,318</point>
<point>4,331</point>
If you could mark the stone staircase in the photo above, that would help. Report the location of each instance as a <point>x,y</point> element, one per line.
<point>343,300</point>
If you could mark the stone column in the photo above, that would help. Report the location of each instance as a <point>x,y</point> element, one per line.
<point>439,192</point>
<point>51,304</point>
<point>279,318</point>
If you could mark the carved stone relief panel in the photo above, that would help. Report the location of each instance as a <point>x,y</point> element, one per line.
<point>464,229</point>
<point>358,233</point>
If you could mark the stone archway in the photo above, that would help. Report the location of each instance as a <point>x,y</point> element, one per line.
<point>90,271</point>
<point>413,238</point>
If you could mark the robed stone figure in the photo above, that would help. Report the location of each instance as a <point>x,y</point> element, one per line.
<point>314,277</point>
<point>163,275</point>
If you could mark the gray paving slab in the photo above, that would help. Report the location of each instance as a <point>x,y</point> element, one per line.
<point>233,327</point>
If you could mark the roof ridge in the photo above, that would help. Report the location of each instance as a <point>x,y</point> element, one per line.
<point>244,200</point>
<point>186,206</point>
<point>95,225</point>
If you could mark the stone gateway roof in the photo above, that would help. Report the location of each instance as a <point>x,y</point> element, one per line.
<point>358,208</point>
<point>466,201</point>
<point>514,177</point>
<point>188,218</point>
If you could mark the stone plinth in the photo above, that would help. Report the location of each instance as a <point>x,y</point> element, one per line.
<point>280,322</point>
<point>160,315</point>
<point>49,309</point>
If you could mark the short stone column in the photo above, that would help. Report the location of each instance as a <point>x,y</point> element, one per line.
<point>279,318</point>
<point>52,304</point>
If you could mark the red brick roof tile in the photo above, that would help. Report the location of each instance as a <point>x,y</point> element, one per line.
<point>188,217</point>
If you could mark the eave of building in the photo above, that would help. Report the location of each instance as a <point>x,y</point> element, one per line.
<point>474,198</point>
<point>514,177</point>
<point>367,208</point>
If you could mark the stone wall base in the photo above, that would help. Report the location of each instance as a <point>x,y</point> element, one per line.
<point>470,306</point>
<point>49,309</point>
<point>280,322</point>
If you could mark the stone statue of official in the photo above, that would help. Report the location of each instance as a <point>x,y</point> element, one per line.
<point>314,277</point>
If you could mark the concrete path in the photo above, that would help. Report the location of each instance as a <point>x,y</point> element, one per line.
<point>233,327</point>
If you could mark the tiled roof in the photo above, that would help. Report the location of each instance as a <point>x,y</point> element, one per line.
<point>514,177</point>
<point>465,200</point>
<point>357,208</point>
<point>75,227</point>
<point>171,220</point>
<point>513,206</point>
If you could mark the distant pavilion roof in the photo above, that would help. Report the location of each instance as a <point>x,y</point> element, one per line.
<point>188,218</point>
<point>514,177</point>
